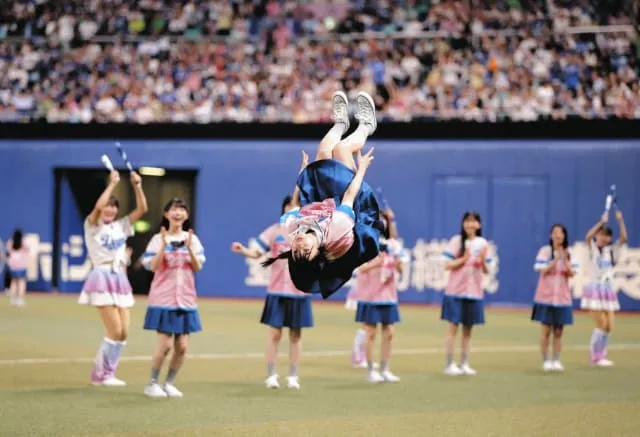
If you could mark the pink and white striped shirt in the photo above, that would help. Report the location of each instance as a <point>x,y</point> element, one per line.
<point>173,285</point>
<point>18,259</point>
<point>553,287</point>
<point>336,224</point>
<point>275,240</point>
<point>466,281</point>
<point>379,285</point>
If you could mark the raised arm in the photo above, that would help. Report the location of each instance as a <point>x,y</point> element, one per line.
<point>456,263</point>
<point>623,228</point>
<point>354,187</point>
<point>240,248</point>
<point>594,230</point>
<point>103,200</point>
<point>159,249</point>
<point>141,199</point>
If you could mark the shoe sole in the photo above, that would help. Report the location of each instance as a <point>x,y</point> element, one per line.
<point>373,105</point>
<point>345,100</point>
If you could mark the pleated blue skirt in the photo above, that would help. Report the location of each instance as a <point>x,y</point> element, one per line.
<point>329,179</point>
<point>172,321</point>
<point>462,311</point>
<point>551,315</point>
<point>374,313</point>
<point>287,312</point>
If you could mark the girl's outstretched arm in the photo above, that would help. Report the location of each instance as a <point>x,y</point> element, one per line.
<point>623,228</point>
<point>354,187</point>
<point>141,199</point>
<point>594,230</point>
<point>102,201</point>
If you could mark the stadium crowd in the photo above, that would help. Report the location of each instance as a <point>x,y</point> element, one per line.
<point>146,61</point>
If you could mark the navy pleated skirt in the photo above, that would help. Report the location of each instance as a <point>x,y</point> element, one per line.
<point>287,312</point>
<point>172,321</point>
<point>374,313</point>
<point>329,179</point>
<point>462,311</point>
<point>551,315</point>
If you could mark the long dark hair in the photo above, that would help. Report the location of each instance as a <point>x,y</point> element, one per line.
<point>176,203</point>
<point>463,234</point>
<point>565,242</point>
<point>16,239</point>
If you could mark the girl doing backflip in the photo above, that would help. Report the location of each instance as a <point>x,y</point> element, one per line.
<point>338,227</point>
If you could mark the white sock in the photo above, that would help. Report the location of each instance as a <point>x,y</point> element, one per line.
<point>358,341</point>
<point>335,133</point>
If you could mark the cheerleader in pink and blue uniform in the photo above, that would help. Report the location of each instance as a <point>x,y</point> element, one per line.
<point>378,305</point>
<point>599,296</point>
<point>285,306</point>
<point>107,286</point>
<point>553,302</point>
<point>174,255</point>
<point>467,258</point>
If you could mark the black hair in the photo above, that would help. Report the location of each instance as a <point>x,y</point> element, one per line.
<point>463,234</point>
<point>565,242</point>
<point>287,200</point>
<point>306,270</point>
<point>386,228</point>
<point>113,201</point>
<point>606,230</point>
<point>16,239</point>
<point>176,203</point>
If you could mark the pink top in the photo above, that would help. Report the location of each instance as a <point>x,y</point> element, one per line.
<point>18,259</point>
<point>466,282</point>
<point>553,287</point>
<point>336,224</point>
<point>173,283</point>
<point>379,285</point>
<point>274,241</point>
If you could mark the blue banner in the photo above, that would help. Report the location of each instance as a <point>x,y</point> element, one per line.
<point>520,189</point>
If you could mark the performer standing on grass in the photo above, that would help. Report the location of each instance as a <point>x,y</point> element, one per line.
<point>599,296</point>
<point>467,257</point>
<point>174,255</point>
<point>107,287</point>
<point>553,304</point>
<point>18,260</point>
<point>285,306</point>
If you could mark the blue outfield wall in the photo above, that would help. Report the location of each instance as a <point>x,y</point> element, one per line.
<point>519,187</point>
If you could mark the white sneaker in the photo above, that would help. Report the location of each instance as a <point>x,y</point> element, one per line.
<point>20,302</point>
<point>272,382</point>
<point>453,370</point>
<point>547,366</point>
<point>366,111</point>
<point>340,109</point>
<point>111,382</point>
<point>293,382</point>
<point>155,391</point>
<point>604,363</point>
<point>375,377</point>
<point>467,370</point>
<point>172,391</point>
<point>389,377</point>
<point>557,366</point>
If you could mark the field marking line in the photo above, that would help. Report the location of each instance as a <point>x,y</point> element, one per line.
<point>327,353</point>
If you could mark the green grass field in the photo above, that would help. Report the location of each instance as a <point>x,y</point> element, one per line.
<point>46,351</point>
